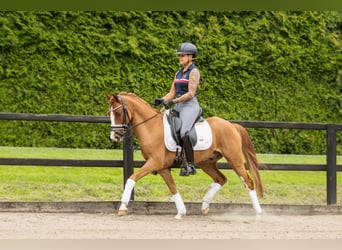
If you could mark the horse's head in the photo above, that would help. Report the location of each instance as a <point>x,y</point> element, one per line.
<point>119,117</point>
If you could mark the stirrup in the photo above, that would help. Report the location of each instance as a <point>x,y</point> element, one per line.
<point>189,169</point>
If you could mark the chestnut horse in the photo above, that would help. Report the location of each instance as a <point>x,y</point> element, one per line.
<point>229,140</point>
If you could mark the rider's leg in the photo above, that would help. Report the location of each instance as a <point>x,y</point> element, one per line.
<point>188,113</point>
<point>189,152</point>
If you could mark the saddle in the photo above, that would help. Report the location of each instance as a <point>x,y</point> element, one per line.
<point>200,135</point>
<point>176,124</point>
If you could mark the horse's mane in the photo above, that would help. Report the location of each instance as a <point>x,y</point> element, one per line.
<point>137,98</point>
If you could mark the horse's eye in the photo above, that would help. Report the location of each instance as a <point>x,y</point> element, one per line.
<point>117,114</point>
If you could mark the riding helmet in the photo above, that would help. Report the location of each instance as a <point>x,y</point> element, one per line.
<point>187,49</point>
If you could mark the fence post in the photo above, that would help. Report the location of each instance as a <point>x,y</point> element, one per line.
<point>128,156</point>
<point>331,164</point>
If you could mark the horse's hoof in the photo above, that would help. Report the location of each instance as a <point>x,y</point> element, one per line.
<point>179,216</point>
<point>258,217</point>
<point>205,211</point>
<point>122,212</point>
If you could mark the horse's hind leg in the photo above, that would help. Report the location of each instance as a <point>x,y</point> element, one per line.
<point>241,171</point>
<point>176,197</point>
<point>219,180</point>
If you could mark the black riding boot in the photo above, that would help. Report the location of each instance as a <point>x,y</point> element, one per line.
<point>189,152</point>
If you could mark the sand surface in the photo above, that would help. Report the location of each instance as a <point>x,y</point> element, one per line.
<point>214,226</point>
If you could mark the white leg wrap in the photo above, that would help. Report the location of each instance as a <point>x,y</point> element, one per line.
<point>126,196</point>
<point>255,202</point>
<point>181,210</point>
<point>209,196</point>
<point>123,206</point>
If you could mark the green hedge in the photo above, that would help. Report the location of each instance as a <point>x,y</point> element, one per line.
<point>270,66</point>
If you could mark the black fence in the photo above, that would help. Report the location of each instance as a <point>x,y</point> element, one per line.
<point>129,164</point>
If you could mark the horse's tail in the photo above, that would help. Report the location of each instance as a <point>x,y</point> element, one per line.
<point>251,158</point>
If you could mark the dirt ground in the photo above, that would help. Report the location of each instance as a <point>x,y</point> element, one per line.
<point>132,226</point>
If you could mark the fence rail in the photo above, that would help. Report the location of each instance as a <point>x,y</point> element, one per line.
<point>138,164</point>
<point>128,163</point>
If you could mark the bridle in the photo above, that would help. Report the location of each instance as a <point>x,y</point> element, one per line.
<point>123,127</point>
<point>126,117</point>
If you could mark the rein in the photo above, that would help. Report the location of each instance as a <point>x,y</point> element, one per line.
<point>146,120</point>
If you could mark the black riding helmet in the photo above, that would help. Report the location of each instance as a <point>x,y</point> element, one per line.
<point>187,49</point>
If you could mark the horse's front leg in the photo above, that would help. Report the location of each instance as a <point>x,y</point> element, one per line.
<point>126,196</point>
<point>176,197</point>
<point>148,167</point>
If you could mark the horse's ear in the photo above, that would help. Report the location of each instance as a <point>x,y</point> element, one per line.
<point>112,96</point>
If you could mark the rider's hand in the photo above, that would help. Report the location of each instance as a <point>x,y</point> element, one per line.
<point>158,101</point>
<point>168,104</point>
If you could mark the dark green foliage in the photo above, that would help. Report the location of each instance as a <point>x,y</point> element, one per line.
<point>270,66</point>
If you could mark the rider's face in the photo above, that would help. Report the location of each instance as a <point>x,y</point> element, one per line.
<point>184,59</point>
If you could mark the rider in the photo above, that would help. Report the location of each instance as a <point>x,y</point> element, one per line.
<point>183,93</point>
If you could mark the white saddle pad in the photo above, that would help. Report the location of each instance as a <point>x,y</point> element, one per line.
<point>204,136</point>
